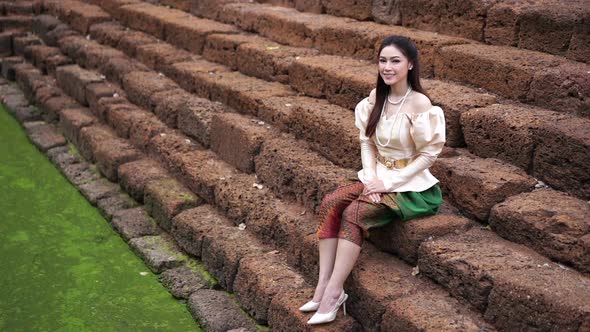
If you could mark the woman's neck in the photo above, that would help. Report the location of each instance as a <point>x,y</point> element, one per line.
<point>398,90</point>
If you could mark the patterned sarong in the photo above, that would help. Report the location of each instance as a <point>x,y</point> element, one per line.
<point>348,214</point>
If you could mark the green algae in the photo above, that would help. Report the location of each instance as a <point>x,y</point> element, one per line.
<point>64,268</point>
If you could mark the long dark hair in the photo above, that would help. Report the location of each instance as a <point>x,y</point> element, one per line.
<point>409,50</point>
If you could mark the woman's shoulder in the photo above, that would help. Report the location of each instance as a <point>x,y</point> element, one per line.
<point>419,103</point>
<point>367,103</point>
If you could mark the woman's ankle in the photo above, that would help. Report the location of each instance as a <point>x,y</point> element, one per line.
<point>319,290</point>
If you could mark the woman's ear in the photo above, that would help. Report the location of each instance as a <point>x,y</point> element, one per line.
<point>410,66</point>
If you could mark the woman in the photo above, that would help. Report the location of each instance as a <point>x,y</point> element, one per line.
<point>401,134</point>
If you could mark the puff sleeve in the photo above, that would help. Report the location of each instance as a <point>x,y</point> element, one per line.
<point>428,133</point>
<point>368,148</point>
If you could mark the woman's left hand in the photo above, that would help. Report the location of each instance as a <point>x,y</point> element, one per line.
<point>375,186</point>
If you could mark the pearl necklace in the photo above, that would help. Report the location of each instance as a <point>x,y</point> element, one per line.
<point>383,116</point>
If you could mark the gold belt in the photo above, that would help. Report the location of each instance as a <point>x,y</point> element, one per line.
<point>392,163</point>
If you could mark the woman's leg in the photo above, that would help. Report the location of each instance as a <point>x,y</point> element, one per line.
<point>330,217</point>
<point>359,212</point>
<point>327,257</point>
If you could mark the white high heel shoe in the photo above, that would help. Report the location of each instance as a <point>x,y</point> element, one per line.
<point>328,317</point>
<point>310,306</point>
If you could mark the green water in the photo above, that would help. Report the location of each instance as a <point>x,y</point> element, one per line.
<point>62,267</point>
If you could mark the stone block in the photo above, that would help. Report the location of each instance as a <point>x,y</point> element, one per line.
<point>112,155</point>
<point>158,56</point>
<point>191,226</point>
<point>455,99</point>
<point>167,105</point>
<point>237,139</point>
<point>8,64</point>
<point>404,238</point>
<point>284,314</point>
<point>222,48</point>
<point>140,86</point>
<point>262,278</point>
<point>80,173</point>
<point>116,68</point>
<point>135,175</point>
<point>73,80</point>
<point>82,16</point>
<point>72,120</point>
<point>20,43</point>
<point>144,128</point>
<point>159,252</point>
<point>270,61</point>
<point>490,273</point>
<point>133,223</point>
<point>110,205</point>
<point>184,281</point>
<point>131,40</point>
<point>107,33</point>
<point>202,182</point>
<point>506,132</point>
<point>190,32</point>
<point>28,113</point>
<point>290,169</point>
<point>53,106</point>
<point>476,185</point>
<point>168,147</point>
<point>194,119</point>
<point>165,198</point>
<point>551,222</point>
<point>561,156</point>
<point>92,137</point>
<point>43,135</point>
<point>190,74</point>
<point>96,91</point>
<point>217,311</point>
<point>98,189</point>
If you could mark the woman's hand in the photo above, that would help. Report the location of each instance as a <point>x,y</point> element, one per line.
<point>373,189</point>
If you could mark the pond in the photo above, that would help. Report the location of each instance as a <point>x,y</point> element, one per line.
<point>63,267</point>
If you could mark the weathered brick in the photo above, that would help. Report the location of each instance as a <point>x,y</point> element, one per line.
<point>237,139</point>
<point>218,311</point>
<point>159,252</point>
<point>561,156</point>
<point>551,222</point>
<point>477,184</point>
<point>165,198</point>
<point>72,120</point>
<point>73,80</point>
<point>110,156</point>
<point>135,175</point>
<point>43,135</point>
<point>515,286</point>
<point>140,86</point>
<point>135,222</point>
<point>190,32</point>
<point>506,132</point>
<point>260,279</point>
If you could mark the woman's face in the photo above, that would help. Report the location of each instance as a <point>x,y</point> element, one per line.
<point>393,65</point>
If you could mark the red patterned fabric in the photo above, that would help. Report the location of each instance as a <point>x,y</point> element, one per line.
<point>347,214</point>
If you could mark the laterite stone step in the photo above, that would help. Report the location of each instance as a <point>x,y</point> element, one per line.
<point>189,163</point>
<point>325,32</point>
<point>551,222</point>
<point>476,184</point>
<point>516,288</point>
<point>527,76</point>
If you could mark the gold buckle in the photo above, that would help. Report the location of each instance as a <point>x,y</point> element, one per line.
<point>392,163</point>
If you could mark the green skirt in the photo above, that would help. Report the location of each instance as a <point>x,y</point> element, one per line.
<point>402,206</point>
<point>410,205</point>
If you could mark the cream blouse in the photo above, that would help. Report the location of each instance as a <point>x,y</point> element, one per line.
<point>419,137</point>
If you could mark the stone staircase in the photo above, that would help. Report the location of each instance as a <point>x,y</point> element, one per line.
<point>223,114</point>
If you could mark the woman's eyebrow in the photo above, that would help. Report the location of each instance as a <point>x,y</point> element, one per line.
<point>392,57</point>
